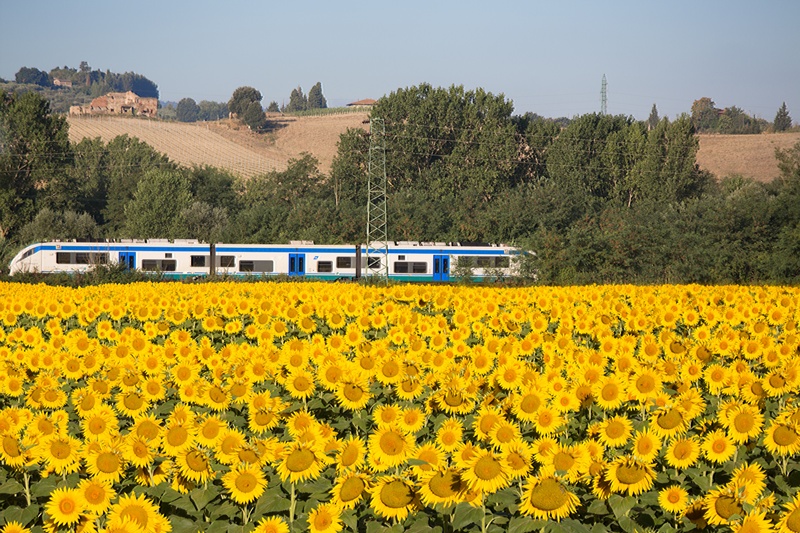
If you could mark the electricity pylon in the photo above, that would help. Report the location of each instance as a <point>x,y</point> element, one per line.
<point>377,241</point>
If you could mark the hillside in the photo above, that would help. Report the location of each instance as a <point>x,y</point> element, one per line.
<point>752,156</point>
<point>225,144</point>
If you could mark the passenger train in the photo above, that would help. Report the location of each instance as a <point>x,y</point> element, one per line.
<point>406,260</point>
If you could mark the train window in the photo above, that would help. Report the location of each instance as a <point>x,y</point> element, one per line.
<point>256,266</point>
<point>168,255</point>
<point>324,266</point>
<point>405,267</point>
<point>486,262</point>
<point>63,258</point>
<point>159,265</point>
<point>82,258</point>
<point>502,262</point>
<point>344,262</point>
<point>373,263</point>
<point>27,254</point>
<point>99,259</point>
<point>227,261</point>
<point>198,260</point>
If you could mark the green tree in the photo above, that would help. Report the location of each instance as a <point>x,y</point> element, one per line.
<point>273,107</point>
<point>203,221</point>
<point>212,110</point>
<point>782,120</point>
<point>297,101</point>
<point>33,76</point>
<point>652,120</point>
<point>187,110</point>
<point>241,100</point>
<point>34,150</point>
<point>705,115</point>
<point>254,116</point>
<point>158,201</point>
<point>49,225</point>
<point>315,98</point>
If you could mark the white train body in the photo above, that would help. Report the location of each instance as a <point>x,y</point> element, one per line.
<point>411,261</point>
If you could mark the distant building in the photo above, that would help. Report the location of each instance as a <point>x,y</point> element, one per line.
<point>128,103</point>
<point>62,83</point>
<point>368,102</point>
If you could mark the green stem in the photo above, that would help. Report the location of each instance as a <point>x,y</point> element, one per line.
<point>483,516</point>
<point>292,504</point>
<point>26,477</point>
<point>245,515</point>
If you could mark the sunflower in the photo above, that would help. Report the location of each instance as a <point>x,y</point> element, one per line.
<point>138,451</point>
<point>300,462</point>
<point>615,431</point>
<point>61,453</point>
<point>300,384</point>
<point>427,456</point>
<point>486,472</point>
<point>353,393</point>
<point>682,453</point>
<point>749,480</point>
<point>755,521</point>
<point>721,504</point>
<point>273,524</point>
<point>668,422</point>
<point>628,476</point>
<point>744,422</point>
<point>325,518</point>
<point>645,384</point>
<point>65,506</point>
<point>138,509</point>
<point>209,429</point>
<point>504,433</point>
<point>352,453</point>
<point>177,436</point>
<point>194,465</point>
<point>96,495</point>
<point>12,452</point>
<point>782,439</point>
<point>99,424</point>
<point>524,405</point>
<point>517,455</point>
<point>350,489</point>
<point>444,487</point>
<point>646,445</point>
<point>245,483</point>
<point>147,427</point>
<point>105,462</point>
<point>14,527</point>
<point>547,421</point>
<point>673,499</point>
<point>228,445</point>
<point>411,420</point>
<point>789,521</point>
<point>390,447</point>
<point>394,497</point>
<point>450,434</point>
<point>569,462</point>
<point>718,446</point>
<point>546,498</point>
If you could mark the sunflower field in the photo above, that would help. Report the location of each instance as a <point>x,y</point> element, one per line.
<point>278,407</point>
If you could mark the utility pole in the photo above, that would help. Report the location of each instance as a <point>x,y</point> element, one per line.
<point>603,97</point>
<point>377,240</point>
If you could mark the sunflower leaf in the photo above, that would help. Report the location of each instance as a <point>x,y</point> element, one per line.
<point>272,501</point>
<point>29,514</point>
<point>523,524</point>
<point>43,487</point>
<point>464,515</point>
<point>182,525</point>
<point>202,497</point>
<point>11,486</point>
<point>620,506</point>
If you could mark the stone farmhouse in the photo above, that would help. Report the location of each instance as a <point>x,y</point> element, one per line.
<point>128,103</point>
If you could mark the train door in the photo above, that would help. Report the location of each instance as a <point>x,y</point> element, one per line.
<point>441,268</point>
<point>297,264</point>
<point>128,260</point>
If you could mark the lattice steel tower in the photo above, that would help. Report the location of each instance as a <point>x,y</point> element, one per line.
<point>603,97</point>
<point>377,241</point>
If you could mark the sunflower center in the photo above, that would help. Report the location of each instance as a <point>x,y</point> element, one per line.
<point>147,430</point>
<point>683,450</point>
<point>177,435</point>
<point>322,520</point>
<point>718,446</point>
<point>94,495</point>
<point>349,455</point>
<point>610,392</point>
<point>645,384</point>
<point>248,456</point>
<point>196,461</point>
<point>390,369</point>
<point>793,521</point>
<point>11,446</point>
<point>548,495</point>
<point>784,436</point>
<point>530,403</point>
<point>505,434</point>
<point>487,422</point>
<point>137,513</point>
<point>776,381</point>
<point>453,399</point>
<point>615,429</point>
<point>488,468</point>
<point>670,420</point>
<point>673,496</point>
<point>87,403</point>
<point>516,461</point>
<point>396,494</point>
<point>444,484</point>
<point>246,482</point>
<point>97,426</point>
<point>264,418</point>
<point>725,506</point>
<point>392,443</point>
<point>563,461</point>
<point>217,395</point>
<point>352,489</point>
<point>302,384</point>
<point>108,462</point>
<point>66,506</point>
<point>744,422</point>
<point>353,392</point>
<point>60,449</point>
<point>133,401</point>
<point>631,474</point>
<point>644,446</point>
<point>300,460</point>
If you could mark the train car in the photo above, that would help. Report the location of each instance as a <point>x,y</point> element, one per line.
<point>406,260</point>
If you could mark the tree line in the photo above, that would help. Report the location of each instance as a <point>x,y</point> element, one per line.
<point>602,199</point>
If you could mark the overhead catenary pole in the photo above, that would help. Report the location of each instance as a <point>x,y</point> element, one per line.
<point>377,240</point>
<point>603,97</point>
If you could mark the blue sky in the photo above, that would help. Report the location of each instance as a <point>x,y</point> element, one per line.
<point>547,57</point>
